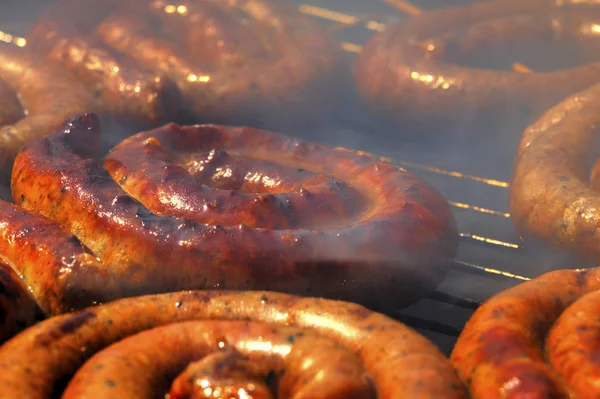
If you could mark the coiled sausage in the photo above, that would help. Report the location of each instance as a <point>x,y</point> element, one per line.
<point>225,207</point>
<point>411,70</point>
<point>47,96</point>
<point>231,60</point>
<point>256,342</point>
<point>536,340</point>
<point>551,198</point>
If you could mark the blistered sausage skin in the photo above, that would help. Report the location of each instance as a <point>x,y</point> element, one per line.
<point>551,197</point>
<point>308,347</point>
<point>47,94</point>
<point>412,70</point>
<point>223,61</point>
<point>390,242</point>
<point>536,340</point>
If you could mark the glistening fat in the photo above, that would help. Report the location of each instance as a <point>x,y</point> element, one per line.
<point>411,72</point>
<point>213,343</point>
<point>210,206</point>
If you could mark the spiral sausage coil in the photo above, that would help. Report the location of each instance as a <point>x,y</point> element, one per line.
<point>156,60</point>
<point>223,344</point>
<point>36,97</point>
<point>412,71</point>
<point>208,206</point>
<point>538,339</point>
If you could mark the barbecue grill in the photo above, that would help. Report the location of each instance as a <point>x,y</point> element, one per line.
<point>472,175</point>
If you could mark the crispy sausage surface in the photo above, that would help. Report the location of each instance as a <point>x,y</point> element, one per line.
<point>535,340</point>
<point>47,95</point>
<point>227,207</point>
<point>297,347</point>
<point>412,70</point>
<point>229,60</point>
<point>551,197</point>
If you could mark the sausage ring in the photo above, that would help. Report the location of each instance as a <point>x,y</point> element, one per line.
<point>535,340</point>
<point>241,344</point>
<point>35,98</point>
<point>551,197</point>
<point>411,72</point>
<point>236,60</point>
<point>239,208</point>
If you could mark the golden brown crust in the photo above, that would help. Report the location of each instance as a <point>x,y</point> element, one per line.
<point>48,95</point>
<point>390,251</point>
<point>409,71</point>
<point>338,339</point>
<point>246,60</point>
<point>536,340</point>
<point>551,198</point>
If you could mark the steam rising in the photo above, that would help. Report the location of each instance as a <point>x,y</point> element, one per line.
<point>476,148</point>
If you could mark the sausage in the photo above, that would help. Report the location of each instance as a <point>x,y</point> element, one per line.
<point>18,309</point>
<point>412,72</point>
<point>48,96</point>
<point>502,351</point>
<point>135,347</point>
<point>229,61</point>
<point>551,197</point>
<point>381,237</point>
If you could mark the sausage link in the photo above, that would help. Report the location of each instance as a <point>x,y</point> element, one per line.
<point>299,347</point>
<point>500,352</point>
<point>412,71</point>
<point>18,309</point>
<point>228,61</point>
<point>394,245</point>
<point>551,198</point>
<point>48,95</point>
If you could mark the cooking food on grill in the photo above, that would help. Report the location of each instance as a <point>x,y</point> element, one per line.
<point>210,206</point>
<point>536,340</point>
<point>35,98</point>
<point>18,309</point>
<point>413,69</point>
<point>230,60</point>
<point>551,197</point>
<point>254,342</point>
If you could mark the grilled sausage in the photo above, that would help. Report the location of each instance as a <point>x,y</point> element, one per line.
<point>551,198</point>
<point>411,71</point>
<point>224,207</point>
<point>47,94</point>
<point>10,107</point>
<point>234,61</point>
<point>18,309</point>
<point>305,347</point>
<point>500,353</point>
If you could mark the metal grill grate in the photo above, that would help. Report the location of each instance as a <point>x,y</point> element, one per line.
<point>491,257</point>
<point>487,263</point>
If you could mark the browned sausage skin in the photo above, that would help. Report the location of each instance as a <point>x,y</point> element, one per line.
<point>48,96</point>
<point>327,349</point>
<point>392,243</point>
<point>410,70</point>
<point>536,340</point>
<point>231,60</point>
<point>551,198</point>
